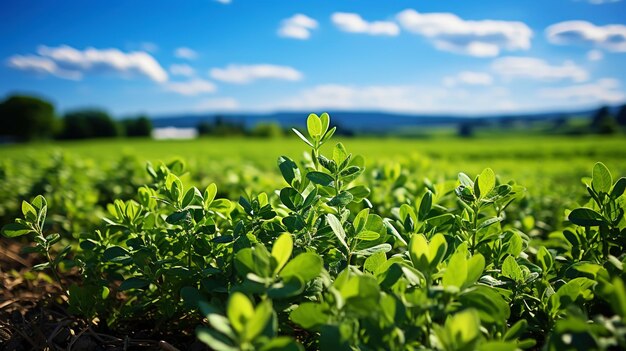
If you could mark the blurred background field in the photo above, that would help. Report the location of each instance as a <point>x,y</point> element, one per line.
<point>524,156</point>
<point>92,173</point>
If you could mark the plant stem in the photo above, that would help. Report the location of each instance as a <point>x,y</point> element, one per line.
<point>54,271</point>
<point>474,225</point>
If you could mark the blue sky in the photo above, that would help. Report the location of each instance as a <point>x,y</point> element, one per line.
<point>434,56</point>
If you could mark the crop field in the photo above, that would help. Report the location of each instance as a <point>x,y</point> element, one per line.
<point>315,242</point>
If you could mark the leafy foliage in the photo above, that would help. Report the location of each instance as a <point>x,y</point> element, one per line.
<point>326,262</point>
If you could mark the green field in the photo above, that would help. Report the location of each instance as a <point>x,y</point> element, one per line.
<point>521,156</point>
<point>394,251</point>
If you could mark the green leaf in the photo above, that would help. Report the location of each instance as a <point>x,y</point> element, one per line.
<point>221,205</point>
<point>512,270</point>
<point>320,178</point>
<point>281,251</point>
<point>339,153</point>
<point>475,268</point>
<point>239,311</point>
<point>307,266</point>
<point>456,272</point>
<point>221,324</point>
<point>13,230</point>
<point>585,217</point>
<point>329,134</point>
<point>425,205</point>
<point>291,198</point>
<point>325,118</point>
<point>374,261</point>
<point>491,306</point>
<point>39,202</point>
<point>294,223</point>
<point>374,250</point>
<point>618,188</point>
<point>544,258</point>
<point>29,211</point>
<point>286,288</point>
<point>177,217</point>
<point>498,346</point>
<point>337,228</point>
<point>419,251</point>
<point>314,126</point>
<point>115,254</point>
<point>350,172</point>
<point>289,169</point>
<point>190,195</point>
<point>617,297</point>
<point>460,331</point>
<point>302,137</point>
<point>601,180</point>
<point>214,340</point>
<point>209,195</point>
<point>569,293</point>
<point>360,220</point>
<point>282,343</point>
<point>244,262</point>
<point>309,315</point>
<point>516,330</point>
<point>437,250</point>
<point>359,192</point>
<point>134,283</point>
<point>367,235</point>
<point>486,182</point>
<point>466,181</point>
<point>258,320</point>
<point>408,217</point>
<point>342,199</point>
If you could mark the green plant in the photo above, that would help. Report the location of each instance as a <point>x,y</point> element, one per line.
<point>325,261</point>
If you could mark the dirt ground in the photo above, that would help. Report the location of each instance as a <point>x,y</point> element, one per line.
<point>33,314</point>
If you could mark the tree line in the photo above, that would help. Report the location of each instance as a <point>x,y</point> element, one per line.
<point>605,120</point>
<point>28,118</point>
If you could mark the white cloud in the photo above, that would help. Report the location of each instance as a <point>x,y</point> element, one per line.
<point>68,62</point>
<point>181,69</point>
<point>149,47</point>
<point>354,23</point>
<point>298,26</point>
<point>468,78</point>
<point>185,53</point>
<point>41,65</point>
<point>601,2</point>
<point>595,55</point>
<point>347,97</point>
<point>395,98</point>
<point>601,91</point>
<point>537,69</point>
<point>611,37</point>
<point>218,104</point>
<point>225,2</point>
<point>244,74</point>
<point>192,87</point>
<point>484,38</point>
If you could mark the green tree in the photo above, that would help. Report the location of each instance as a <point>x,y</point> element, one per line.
<point>267,130</point>
<point>603,121</point>
<point>27,118</point>
<point>466,130</point>
<point>137,127</point>
<point>84,124</point>
<point>204,128</point>
<point>621,116</point>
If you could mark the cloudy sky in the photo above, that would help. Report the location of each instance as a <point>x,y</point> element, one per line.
<point>429,56</point>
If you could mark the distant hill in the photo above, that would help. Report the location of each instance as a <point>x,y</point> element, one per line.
<point>359,122</point>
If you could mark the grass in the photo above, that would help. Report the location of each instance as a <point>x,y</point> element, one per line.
<point>548,165</point>
<point>264,150</point>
